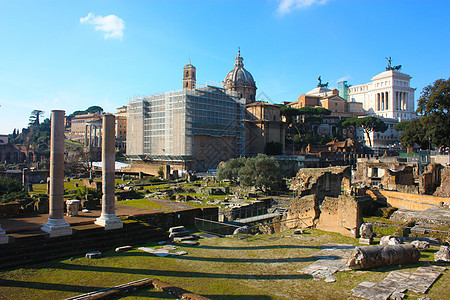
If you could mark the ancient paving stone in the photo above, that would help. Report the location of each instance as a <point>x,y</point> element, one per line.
<point>421,280</point>
<point>332,259</point>
<point>397,282</point>
<point>359,290</point>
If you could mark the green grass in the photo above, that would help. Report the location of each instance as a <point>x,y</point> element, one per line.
<point>261,267</point>
<point>381,230</point>
<point>144,203</point>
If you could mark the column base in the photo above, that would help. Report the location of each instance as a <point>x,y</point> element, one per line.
<point>109,221</point>
<point>4,239</point>
<point>57,227</point>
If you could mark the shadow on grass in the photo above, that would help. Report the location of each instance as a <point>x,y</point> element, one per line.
<point>48,286</point>
<point>253,247</point>
<point>250,260</point>
<point>238,297</point>
<point>169,273</point>
<point>151,294</point>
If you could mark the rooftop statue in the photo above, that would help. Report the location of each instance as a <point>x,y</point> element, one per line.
<point>389,67</point>
<point>320,84</point>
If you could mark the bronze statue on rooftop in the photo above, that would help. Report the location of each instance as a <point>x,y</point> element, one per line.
<point>389,67</point>
<point>320,84</point>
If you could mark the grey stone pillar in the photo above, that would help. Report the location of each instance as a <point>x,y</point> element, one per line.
<point>25,179</point>
<point>108,218</point>
<point>100,133</point>
<point>95,144</point>
<point>85,135</point>
<point>90,136</point>
<point>56,224</point>
<point>4,239</point>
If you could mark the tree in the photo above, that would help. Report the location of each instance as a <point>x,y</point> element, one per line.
<point>40,138</point>
<point>94,109</point>
<point>34,118</point>
<point>434,105</point>
<point>289,113</point>
<point>371,124</point>
<point>412,133</point>
<point>350,124</point>
<point>261,171</point>
<point>11,190</point>
<point>230,170</point>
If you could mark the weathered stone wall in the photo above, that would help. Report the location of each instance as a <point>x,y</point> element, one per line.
<point>430,179</point>
<point>303,212</point>
<point>444,189</point>
<point>394,180</point>
<point>322,182</point>
<point>341,215</point>
<point>412,201</point>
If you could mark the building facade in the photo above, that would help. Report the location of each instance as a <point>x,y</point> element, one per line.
<point>340,108</point>
<point>121,127</point>
<point>240,80</point>
<point>388,95</point>
<point>190,129</point>
<point>263,125</point>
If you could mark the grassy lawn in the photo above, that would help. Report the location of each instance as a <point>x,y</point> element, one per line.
<point>261,267</point>
<point>144,203</point>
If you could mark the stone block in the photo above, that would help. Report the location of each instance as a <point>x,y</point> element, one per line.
<point>94,254</point>
<point>443,255</point>
<point>421,245</point>
<point>123,248</point>
<point>364,241</point>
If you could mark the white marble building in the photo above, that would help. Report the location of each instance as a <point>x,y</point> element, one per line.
<point>388,95</point>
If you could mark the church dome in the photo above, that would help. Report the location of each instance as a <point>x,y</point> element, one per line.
<point>239,76</point>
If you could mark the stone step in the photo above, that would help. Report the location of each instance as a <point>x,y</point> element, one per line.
<point>85,238</point>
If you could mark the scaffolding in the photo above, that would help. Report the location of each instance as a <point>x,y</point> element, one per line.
<point>165,125</point>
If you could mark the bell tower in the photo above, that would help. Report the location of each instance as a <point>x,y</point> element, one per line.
<point>189,76</point>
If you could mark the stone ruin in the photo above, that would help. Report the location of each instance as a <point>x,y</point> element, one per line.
<point>324,202</point>
<point>322,181</point>
<point>391,173</point>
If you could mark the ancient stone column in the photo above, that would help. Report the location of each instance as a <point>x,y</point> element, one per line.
<point>56,224</point>
<point>90,136</point>
<point>25,179</point>
<point>85,135</point>
<point>108,218</point>
<point>4,239</point>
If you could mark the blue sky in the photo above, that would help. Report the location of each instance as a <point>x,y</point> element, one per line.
<point>73,54</point>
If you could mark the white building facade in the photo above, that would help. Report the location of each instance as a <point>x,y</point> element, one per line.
<point>388,95</point>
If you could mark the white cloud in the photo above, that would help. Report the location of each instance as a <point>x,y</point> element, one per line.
<point>286,6</point>
<point>112,26</point>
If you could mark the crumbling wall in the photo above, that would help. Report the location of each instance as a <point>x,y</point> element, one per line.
<point>322,182</point>
<point>412,201</point>
<point>303,212</point>
<point>398,180</point>
<point>444,189</point>
<point>430,179</point>
<point>342,215</point>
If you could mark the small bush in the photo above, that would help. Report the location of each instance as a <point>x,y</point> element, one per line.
<point>81,193</point>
